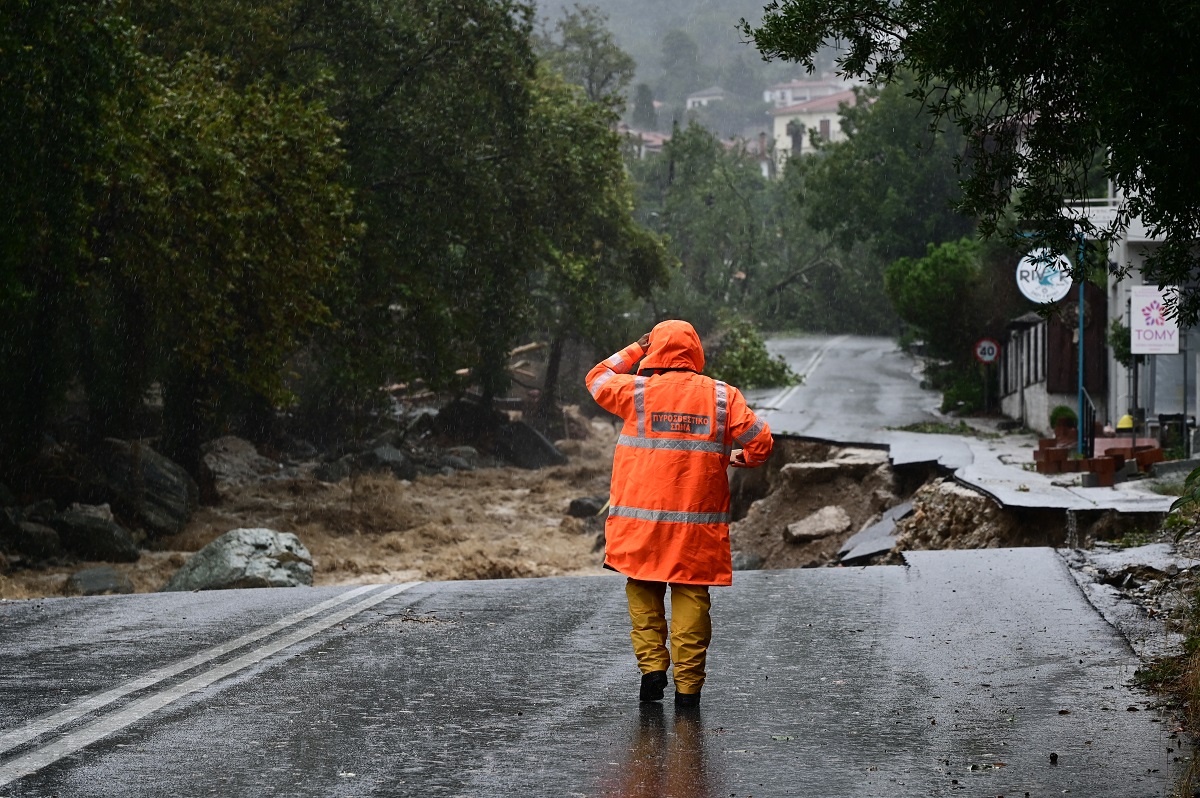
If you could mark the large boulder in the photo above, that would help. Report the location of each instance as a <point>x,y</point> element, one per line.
<point>246,558</point>
<point>336,470</point>
<point>232,461</point>
<point>525,447</point>
<point>31,540</point>
<point>92,534</point>
<point>142,485</point>
<point>387,458</point>
<point>101,580</point>
<point>586,506</point>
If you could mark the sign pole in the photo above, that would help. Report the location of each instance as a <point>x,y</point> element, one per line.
<point>1082,283</point>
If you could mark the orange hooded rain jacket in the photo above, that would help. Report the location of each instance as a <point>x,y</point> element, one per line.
<point>668,519</point>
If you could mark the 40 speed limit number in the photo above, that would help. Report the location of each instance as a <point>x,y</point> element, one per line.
<point>987,351</point>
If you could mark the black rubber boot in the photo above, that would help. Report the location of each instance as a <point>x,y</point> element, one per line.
<point>687,700</point>
<point>652,686</point>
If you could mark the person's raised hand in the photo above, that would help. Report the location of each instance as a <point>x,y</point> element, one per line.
<point>644,341</point>
<point>737,459</point>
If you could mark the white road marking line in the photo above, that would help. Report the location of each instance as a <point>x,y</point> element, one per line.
<point>115,721</point>
<point>784,396</point>
<point>35,728</point>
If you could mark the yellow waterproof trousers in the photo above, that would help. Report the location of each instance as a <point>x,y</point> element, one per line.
<point>691,630</point>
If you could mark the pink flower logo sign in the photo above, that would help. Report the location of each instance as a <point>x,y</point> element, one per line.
<point>1155,313</point>
<point>1152,330</point>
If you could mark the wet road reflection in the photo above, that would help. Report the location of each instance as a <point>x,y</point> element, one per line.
<point>666,757</point>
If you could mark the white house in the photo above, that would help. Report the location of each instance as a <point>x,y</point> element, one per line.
<point>1162,385</point>
<point>794,92</point>
<point>793,124</point>
<point>701,99</point>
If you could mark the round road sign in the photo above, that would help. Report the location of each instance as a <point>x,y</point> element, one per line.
<point>986,350</point>
<point>1044,278</point>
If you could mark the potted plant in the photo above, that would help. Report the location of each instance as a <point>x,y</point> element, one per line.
<point>1064,422</point>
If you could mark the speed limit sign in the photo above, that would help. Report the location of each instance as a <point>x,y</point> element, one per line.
<point>986,351</point>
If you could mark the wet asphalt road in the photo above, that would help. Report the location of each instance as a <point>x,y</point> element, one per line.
<point>959,675</point>
<point>854,388</point>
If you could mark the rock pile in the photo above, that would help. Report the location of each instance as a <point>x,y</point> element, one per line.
<point>947,515</point>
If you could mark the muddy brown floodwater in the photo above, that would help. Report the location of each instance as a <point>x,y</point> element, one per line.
<point>485,524</point>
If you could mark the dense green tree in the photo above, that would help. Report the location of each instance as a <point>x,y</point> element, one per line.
<point>584,51</point>
<point>1044,93</point>
<point>62,67</point>
<point>938,293</point>
<point>683,72</point>
<point>745,247</point>
<point>220,227</point>
<point>644,116</point>
<point>598,256</point>
<point>892,183</point>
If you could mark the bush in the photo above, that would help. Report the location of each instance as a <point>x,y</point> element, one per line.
<point>1064,414</point>
<point>963,393</point>
<point>741,359</point>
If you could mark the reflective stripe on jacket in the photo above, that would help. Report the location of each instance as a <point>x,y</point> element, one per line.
<point>668,518</point>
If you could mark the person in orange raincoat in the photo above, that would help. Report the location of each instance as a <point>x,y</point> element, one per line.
<point>668,517</point>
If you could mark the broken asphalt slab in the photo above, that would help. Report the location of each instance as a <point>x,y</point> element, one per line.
<point>877,538</point>
<point>958,675</point>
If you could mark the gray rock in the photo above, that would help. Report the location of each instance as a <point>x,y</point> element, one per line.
<point>586,506</point>
<point>387,458</point>
<point>143,486</point>
<point>10,518</point>
<point>93,537</point>
<point>336,471</point>
<point>99,581</point>
<point>803,474</point>
<point>32,540</point>
<point>246,558</point>
<point>94,510</point>
<point>525,447</point>
<point>7,499</point>
<point>858,463</point>
<point>831,520</point>
<point>452,463</point>
<point>746,561</point>
<point>40,511</point>
<point>233,461</point>
<point>469,454</point>
<point>300,449</point>
<point>420,422</point>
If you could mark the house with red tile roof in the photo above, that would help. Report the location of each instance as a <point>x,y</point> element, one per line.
<point>794,124</point>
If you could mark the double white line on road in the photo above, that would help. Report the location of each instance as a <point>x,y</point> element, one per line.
<point>70,743</point>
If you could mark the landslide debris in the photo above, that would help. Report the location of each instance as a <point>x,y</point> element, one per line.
<point>807,501</point>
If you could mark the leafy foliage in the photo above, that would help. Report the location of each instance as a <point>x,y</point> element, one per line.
<point>744,245</point>
<point>62,67</point>
<point>891,183</point>
<point>239,202</point>
<point>741,359</point>
<point>1045,94</point>
<point>584,51</point>
<point>1063,414</point>
<point>937,293</point>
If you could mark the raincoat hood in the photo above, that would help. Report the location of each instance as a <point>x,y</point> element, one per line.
<point>674,344</point>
